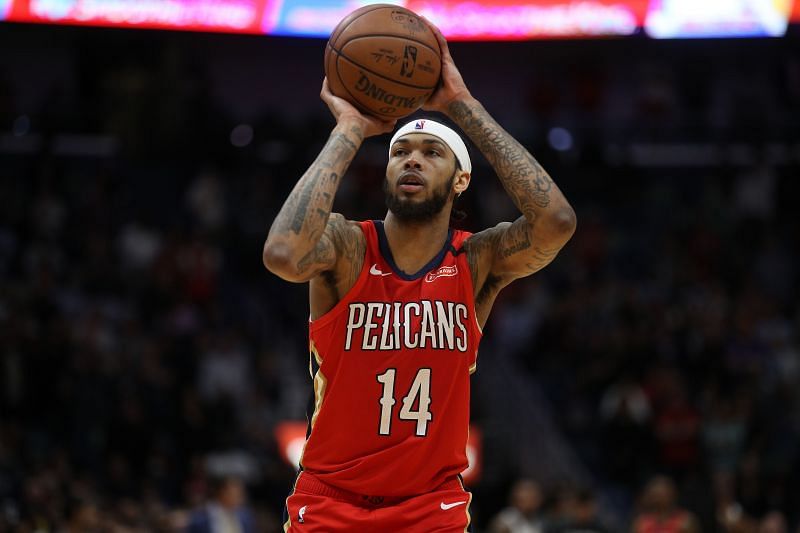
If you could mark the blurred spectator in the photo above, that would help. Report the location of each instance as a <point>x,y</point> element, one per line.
<point>773,522</point>
<point>724,435</point>
<point>225,371</point>
<point>732,519</point>
<point>523,515</point>
<point>205,199</point>
<point>660,512</point>
<point>677,428</point>
<point>226,512</point>
<point>82,517</point>
<point>625,411</point>
<point>581,517</point>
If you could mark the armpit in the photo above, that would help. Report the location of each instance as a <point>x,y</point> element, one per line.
<point>481,248</point>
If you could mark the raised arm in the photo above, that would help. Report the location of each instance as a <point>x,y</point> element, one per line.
<point>305,240</point>
<point>547,222</point>
<point>509,250</point>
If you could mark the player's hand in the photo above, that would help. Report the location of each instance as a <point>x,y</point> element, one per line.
<point>344,111</point>
<point>451,87</point>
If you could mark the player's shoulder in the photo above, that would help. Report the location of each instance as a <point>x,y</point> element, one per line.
<point>346,234</point>
<point>338,223</point>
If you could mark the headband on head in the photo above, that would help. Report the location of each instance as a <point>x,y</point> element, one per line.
<point>445,134</point>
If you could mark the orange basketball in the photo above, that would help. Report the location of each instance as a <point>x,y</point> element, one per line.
<point>384,60</point>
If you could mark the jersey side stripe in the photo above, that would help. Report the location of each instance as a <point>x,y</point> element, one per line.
<point>320,385</point>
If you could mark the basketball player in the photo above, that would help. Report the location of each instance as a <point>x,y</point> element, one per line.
<point>397,307</point>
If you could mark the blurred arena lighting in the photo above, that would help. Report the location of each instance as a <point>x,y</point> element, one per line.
<point>22,125</point>
<point>560,139</point>
<point>458,19</point>
<point>669,19</point>
<point>242,135</point>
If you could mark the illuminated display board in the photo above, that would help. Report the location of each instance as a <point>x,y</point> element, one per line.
<point>458,19</point>
<point>718,18</point>
<point>484,20</point>
<point>234,16</point>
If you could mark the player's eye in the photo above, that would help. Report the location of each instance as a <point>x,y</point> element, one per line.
<point>399,151</point>
<point>434,152</point>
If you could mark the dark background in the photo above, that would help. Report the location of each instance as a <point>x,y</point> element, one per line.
<point>145,349</point>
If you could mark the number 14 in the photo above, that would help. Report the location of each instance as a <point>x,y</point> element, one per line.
<point>420,388</point>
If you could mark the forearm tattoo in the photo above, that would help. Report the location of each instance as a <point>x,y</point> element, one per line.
<point>306,211</point>
<point>522,176</point>
<point>518,247</point>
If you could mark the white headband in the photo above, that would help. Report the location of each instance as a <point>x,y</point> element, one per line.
<point>447,135</point>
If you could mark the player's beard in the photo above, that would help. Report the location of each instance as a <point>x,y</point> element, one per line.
<point>409,210</point>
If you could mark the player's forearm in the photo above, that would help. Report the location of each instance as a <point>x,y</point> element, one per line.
<point>530,187</point>
<point>304,215</point>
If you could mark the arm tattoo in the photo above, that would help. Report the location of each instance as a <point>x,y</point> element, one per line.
<point>481,245</point>
<point>316,188</point>
<point>304,198</point>
<point>343,243</point>
<point>541,258</point>
<point>322,253</point>
<point>350,245</point>
<point>533,240</point>
<point>320,197</point>
<point>522,176</point>
<point>517,239</point>
<point>303,218</point>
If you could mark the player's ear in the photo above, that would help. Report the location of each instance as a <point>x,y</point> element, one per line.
<point>461,181</point>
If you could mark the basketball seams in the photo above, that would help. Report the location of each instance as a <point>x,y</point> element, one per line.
<point>382,76</point>
<point>354,98</point>
<point>436,52</point>
<point>337,32</point>
<point>384,31</point>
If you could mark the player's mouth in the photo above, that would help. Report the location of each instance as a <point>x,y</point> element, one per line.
<point>410,181</point>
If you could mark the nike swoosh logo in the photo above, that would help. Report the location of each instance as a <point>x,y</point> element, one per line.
<point>375,272</point>
<point>446,506</point>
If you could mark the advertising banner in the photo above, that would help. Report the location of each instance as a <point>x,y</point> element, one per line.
<point>458,19</point>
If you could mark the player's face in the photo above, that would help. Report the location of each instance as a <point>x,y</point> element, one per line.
<point>419,177</point>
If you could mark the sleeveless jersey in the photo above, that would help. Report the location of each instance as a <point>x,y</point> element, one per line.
<point>391,365</point>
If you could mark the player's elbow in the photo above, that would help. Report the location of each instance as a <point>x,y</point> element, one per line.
<point>563,222</point>
<point>279,259</point>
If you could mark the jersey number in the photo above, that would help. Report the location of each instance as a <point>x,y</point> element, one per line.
<point>419,392</point>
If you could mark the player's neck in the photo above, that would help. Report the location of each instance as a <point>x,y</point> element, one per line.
<point>414,244</point>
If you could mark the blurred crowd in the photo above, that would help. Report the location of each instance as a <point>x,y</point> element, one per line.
<point>146,356</point>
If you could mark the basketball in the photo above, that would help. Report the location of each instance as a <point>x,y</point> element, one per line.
<point>384,60</point>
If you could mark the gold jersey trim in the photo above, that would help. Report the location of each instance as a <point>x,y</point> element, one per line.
<point>320,385</point>
<point>288,523</point>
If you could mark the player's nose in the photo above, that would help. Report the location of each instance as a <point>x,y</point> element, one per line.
<point>412,161</point>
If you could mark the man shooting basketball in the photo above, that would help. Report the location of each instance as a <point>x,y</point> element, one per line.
<point>397,308</point>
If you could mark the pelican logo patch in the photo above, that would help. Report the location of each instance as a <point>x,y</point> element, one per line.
<point>446,271</point>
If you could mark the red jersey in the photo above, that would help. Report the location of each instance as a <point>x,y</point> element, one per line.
<point>676,522</point>
<point>391,364</point>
